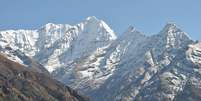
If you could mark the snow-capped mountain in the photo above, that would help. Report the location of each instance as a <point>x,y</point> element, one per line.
<point>143,60</point>
<point>90,58</point>
<point>56,45</point>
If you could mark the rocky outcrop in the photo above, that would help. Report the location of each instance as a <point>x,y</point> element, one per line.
<point>18,83</point>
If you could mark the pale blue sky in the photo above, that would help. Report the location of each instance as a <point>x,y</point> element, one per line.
<point>148,16</point>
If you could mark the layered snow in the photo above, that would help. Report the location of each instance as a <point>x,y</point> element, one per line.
<point>89,57</point>
<point>194,54</point>
<point>140,62</point>
<point>54,45</point>
<point>24,40</point>
<point>174,36</point>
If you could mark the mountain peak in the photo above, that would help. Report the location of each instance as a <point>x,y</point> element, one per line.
<point>131,29</point>
<point>49,26</point>
<point>92,19</point>
<point>171,25</point>
<point>132,34</point>
<point>171,29</point>
<point>173,35</point>
<point>95,25</point>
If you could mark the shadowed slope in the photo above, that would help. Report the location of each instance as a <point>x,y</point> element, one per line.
<point>17,83</point>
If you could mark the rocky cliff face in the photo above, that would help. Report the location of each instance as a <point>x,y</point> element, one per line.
<point>19,83</point>
<point>137,67</point>
<point>154,68</point>
<point>23,59</point>
<point>56,45</point>
<point>88,57</point>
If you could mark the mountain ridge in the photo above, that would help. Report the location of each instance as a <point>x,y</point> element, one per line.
<point>18,83</point>
<point>89,57</point>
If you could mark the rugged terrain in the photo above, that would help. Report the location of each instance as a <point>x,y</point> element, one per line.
<point>18,83</point>
<point>90,58</point>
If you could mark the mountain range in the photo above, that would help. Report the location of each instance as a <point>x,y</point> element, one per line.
<point>90,58</point>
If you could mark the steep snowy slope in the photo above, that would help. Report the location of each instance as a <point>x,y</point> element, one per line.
<point>56,45</point>
<point>178,81</point>
<point>142,61</point>
<point>79,41</point>
<point>119,71</point>
<point>88,57</point>
<point>89,72</point>
<point>20,39</point>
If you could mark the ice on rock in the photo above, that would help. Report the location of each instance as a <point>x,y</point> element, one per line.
<point>174,36</point>
<point>23,40</point>
<point>89,57</point>
<point>56,44</point>
<point>108,30</point>
<point>92,19</point>
<point>194,54</point>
